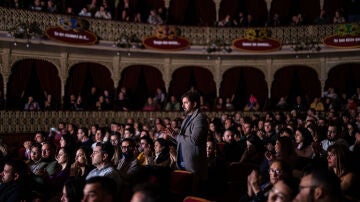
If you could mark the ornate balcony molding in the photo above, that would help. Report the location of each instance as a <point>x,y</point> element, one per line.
<point>112,30</point>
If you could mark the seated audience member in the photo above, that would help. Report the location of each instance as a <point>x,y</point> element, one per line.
<point>252,104</point>
<point>102,13</point>
<point>146,155</point>
<point>258,192</point>
<point>284,190</point>
<point>56,181</point>
<point>226,22</point>
<point>340,162</point>
<point>231,151</point>
<point>338,18</point>
<point>24,152</point>
<point>128,164</point>
<point>36,164</point>
<point>100,189</point>
<point>162,155</point>
<point>36,6</point>
<point>319,185</point>
<point>80,168</point>
<point>13,186</point>
<point>332,138</point>
<point>84,141</point>
<point>101,159</point>
<point>122,102</point>
<point>51,8</point>
<point>48,156</point>
<point>216,169</point>
<point>31,104</point>
<point>151,105</point>
<point>154,18</point>
<point>72,190</point>
<point>147,192</point>
<point>282,104</point>
<point>84,12</point>
<point>317,105</point>
<point>303,140</point>
<point>173,104</point>
<point>254,151</point>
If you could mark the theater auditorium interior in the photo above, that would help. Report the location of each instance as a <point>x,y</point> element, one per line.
<point>280,75</point>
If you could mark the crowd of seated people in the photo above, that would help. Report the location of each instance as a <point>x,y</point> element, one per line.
<point>123,101</point>
<point>132,11</point>
<point>290,152</point>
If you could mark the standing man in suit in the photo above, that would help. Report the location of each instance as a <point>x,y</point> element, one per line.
<point>191,139</point>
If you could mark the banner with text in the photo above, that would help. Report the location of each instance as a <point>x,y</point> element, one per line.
<point>73,31</point>
<point>166,38</point>
<point>257,40</point>
<point>347,36</point>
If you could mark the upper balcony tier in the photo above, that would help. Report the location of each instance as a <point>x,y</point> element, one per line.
<point>109,31</point>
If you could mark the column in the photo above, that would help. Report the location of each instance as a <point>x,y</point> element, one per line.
<point>167,73</point>
<point>115,73</point>
<point>63,73</point>
<point>6,69</point>
<point>323,75</point>
<point>217,8</point>
<point>321,4</point>
<point>269,76</point>
<point>217,75</point>
<point>268,5</point>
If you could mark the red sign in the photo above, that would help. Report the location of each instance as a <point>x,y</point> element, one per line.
<point>348,41</point>
<point>257,44</point>
<point>173,44</point>
<point>83,37</point>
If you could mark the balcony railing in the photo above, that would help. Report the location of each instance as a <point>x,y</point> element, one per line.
<point>109,30</point>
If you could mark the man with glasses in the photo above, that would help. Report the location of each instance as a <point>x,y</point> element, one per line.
<point>128,163</point>
<point>319,185</point>
<point>101,159</point>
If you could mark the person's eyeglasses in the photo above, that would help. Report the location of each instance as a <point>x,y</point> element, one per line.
<point>275,171</point>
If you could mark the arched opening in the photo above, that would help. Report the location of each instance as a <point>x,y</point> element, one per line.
<point>344,78</point>
<point>83,77</point>
<point>141,82</point>
<point>241,82</point>
<point>293,81</point>
<point>31,77</point>
<point>199,78</point>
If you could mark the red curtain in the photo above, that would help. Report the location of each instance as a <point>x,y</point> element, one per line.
<point>243,81</point>
<point>283,8</point>
<point>141,82</point>
<point>295,80</point>
<point>229,7</point>
<point>46,73</point>
<point>91,74</point>
<point>309,9</point>
<point>349,74</point>
<point>257,8</point>
<point>331,6</point>
<point>190,76</point>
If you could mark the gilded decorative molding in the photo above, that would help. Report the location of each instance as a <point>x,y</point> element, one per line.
<point>32,121</point>
<point>111,30</point>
